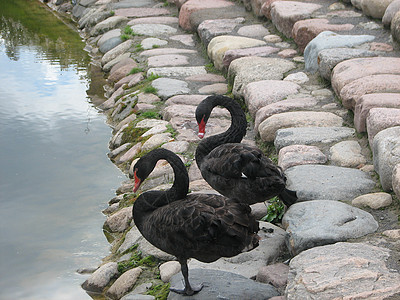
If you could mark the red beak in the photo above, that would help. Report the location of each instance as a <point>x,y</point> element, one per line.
<point>138,182</point>
<point>202,129</point>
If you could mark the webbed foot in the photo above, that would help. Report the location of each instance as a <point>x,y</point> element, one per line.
<point>188,290</point>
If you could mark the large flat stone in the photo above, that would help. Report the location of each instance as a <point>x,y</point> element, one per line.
<point>117,51</point>
<point>311,136</point>
<point>192,6</point>
<point>347,154</point>
<point>354,270</point>
<point>390,11</point>
<point>177,71</point>
<point>220,284</point>
<point>381,83</point>
<point>153,29</point>
<point>283,106</point>
<point>135,12</point>
<point>284,14</point>
<point>386,150</point>
<point>245,70</point>
<point>219,45</point>
<point>167,60</point>
<point>108,24</point>
<point>318,182</point>
<point>269,126</point>
<point>154,20</point>
<point>164,51</point>
<point>353,69</point>
<point>295,155</point>
<point>188,111</point>
<point>321,222</point>
<point>167,87</point>
<point>327,40</point>
<point>329,58</point>
<point>375,9</point>
<point>366,102</point>
<point>305,30</point>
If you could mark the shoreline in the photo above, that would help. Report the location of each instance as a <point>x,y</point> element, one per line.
<point>146,109</point>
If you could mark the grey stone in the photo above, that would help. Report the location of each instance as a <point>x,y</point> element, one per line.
<point>321,222</point>
<point>130,3</point>
<point>185,39</point>
<point>329,58</point>
<point>101,277</point>
<point>248,69</point>
<point>356,270</point>
<point>110,44</point>
<point>108,66</point>
<point>156,140</point>
<point>77,11</point>
<point>209,29</point>
<point>117,51</point>
<point>153,29</point>
<point>253,31</point>
<point>162,51</point>
<point>167,87</point>
<point>390,11</point>
<point>177,71</point>
<point>386,153</point>
<point>272,244</point>
<point>311,135</point>
<point>169,269</point>
<point>295,155</point>
<point>167,60</point>
<point>119,221</point>
<point>148,249</point>
<point>149,43</point>
<point>108,24</point>
<point>329,39</point>
<point>328,182</point>
<point>124,283</point>
<point>96,15</point>
<point>132,296</point>
<point>177,146</point>
<point>222,285</point>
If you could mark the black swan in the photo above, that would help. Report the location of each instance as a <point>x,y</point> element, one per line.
<point>201,226</point>
<point>234,169</point>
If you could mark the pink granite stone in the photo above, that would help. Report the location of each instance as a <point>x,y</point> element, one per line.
<point>366,102</point>
<point>167,60</point>
<point>121,72</point>
<point>295,155</point>
<point>206,78</point>
<point>138,12</point>
<point>352,69</point>
<point>192,6</point>
<point>266,8</point>
<point>261,93</point>
<point>283,106</point>
<point>287,53</point>
<point>130,79</point>
<point>123,62</point>
<point>231,55</point>
<point>379,119</point>
<point>380,47</point>
<point>284,14</point>
<point>186,100</point>
<point>381,83</point>
<point>305,30</point>
<point>275,274</point>
<point>216,88</point>
<point>154,20</point>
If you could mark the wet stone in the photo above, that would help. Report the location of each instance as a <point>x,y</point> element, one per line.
<point>328,182</point>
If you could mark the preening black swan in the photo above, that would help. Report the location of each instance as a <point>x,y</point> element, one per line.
<point>201,226</point>
<point>234,169</point>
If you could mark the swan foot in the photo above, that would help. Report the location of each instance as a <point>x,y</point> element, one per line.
<point>188,290</point>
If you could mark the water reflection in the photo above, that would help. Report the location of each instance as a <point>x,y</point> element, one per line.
<point>55,177</point>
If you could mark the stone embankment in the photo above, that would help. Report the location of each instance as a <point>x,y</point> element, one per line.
<point>321,82</point>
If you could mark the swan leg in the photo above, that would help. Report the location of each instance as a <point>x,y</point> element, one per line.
<point>188,290</point>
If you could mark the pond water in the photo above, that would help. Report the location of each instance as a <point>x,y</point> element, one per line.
<point>55,176</point>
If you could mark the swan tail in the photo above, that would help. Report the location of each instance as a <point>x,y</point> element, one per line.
<point>288,197</point>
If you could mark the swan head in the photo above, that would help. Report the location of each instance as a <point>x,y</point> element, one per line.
<point>142,169</point>
<point>203,112</point>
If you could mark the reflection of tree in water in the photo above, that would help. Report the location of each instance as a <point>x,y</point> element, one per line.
<point>49,36</point>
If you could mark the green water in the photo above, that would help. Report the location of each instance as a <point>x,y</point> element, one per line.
<point>55,177</point>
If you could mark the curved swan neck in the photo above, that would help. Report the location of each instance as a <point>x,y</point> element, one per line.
<point>235,132</point>
<point>151,200</point>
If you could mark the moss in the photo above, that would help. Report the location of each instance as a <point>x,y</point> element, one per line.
<point>131,134</point>
<point>150,114</point>
<point>137,260</point>
<point>135,70</point>
<point>159,291</point>
<point>150,90</point>
<point>172,131</point>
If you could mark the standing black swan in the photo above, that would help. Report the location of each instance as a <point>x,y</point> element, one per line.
<point>234,169</point>
<point>201,226</point>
